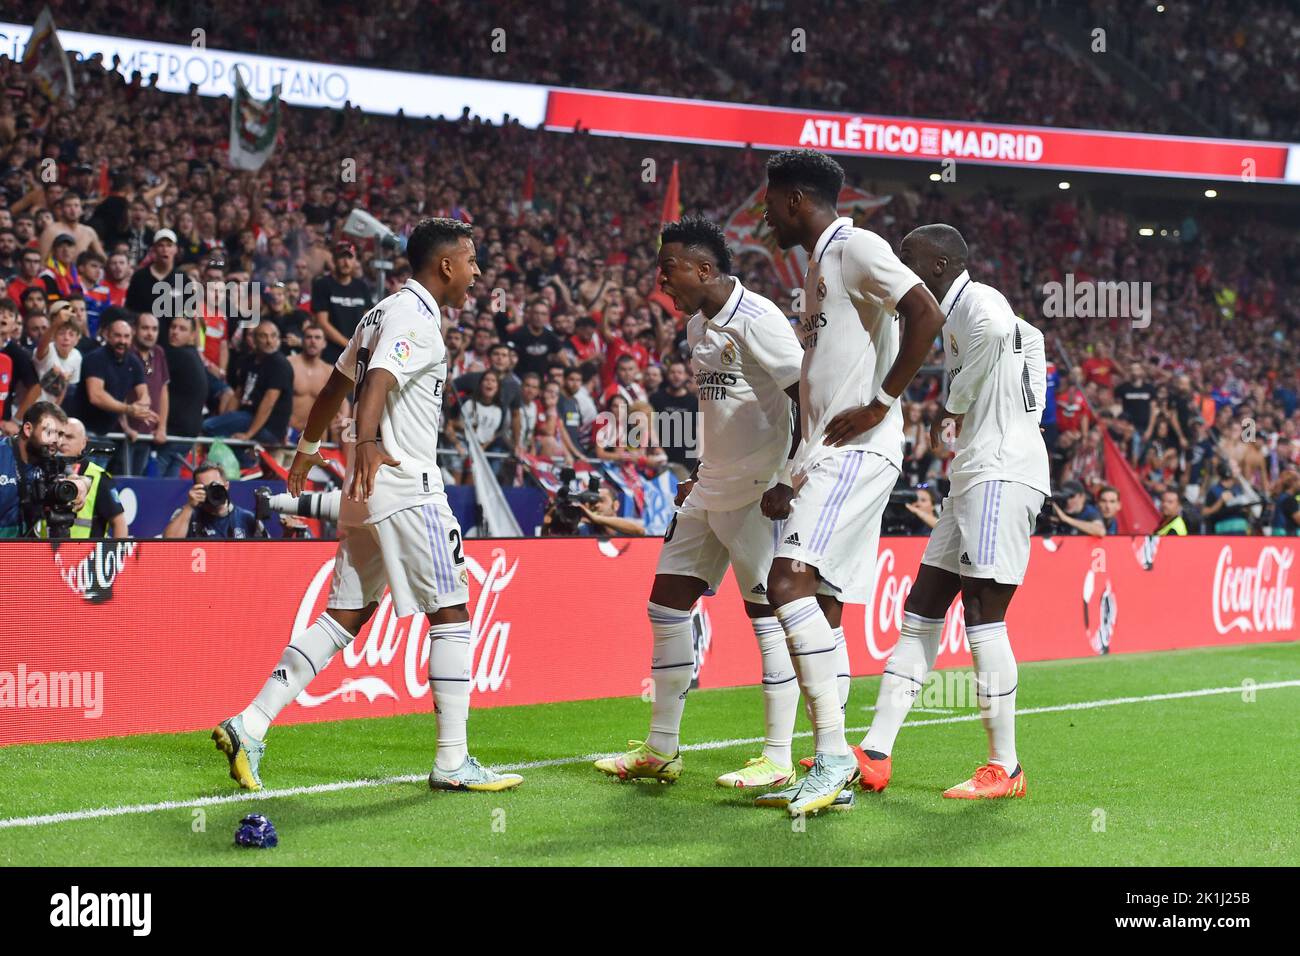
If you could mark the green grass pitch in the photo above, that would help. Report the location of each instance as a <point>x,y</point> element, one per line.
<point>1193,780</point>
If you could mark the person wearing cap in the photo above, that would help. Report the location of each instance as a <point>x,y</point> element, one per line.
<point>159,287</point>
<point>60,273</point>
<point>339,300</point>
<point>68,222</point>
<point>1080,516</point>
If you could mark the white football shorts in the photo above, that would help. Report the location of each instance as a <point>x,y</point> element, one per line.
<point>416,553</point>
<point>834,523</point>
<point>985,532</point>
<point>701,544</point>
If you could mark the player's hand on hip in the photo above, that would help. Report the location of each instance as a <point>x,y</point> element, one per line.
<point>775,503</point>
<point>368,461</point>
<point>683,489</point>
<point>852,422</point>
<point>298,471</point>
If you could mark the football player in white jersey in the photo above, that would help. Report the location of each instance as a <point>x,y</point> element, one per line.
<point>997,382</point>
<point>855,366</point>
<point>397,530</point>
<point>746,360</point>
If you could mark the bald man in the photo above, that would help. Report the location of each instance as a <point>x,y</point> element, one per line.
<point>997,383</point>
<point>108,516</point>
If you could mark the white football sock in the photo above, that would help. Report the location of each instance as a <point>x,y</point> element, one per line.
<point>996,678</point>
<point>812,651</point>
<point>843,670</point>
<point>304,657</point>
<point>672,666</point>
<point>905,673</point>
<point>449,663</point>
<point>780,689</point>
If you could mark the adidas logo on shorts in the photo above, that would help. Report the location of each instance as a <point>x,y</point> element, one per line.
<point>793,539</point>
<point>758,589</point>
<point>280,675</point>
<point>965,558</point>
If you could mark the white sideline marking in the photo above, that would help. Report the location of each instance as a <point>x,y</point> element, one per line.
<point>71,816</point>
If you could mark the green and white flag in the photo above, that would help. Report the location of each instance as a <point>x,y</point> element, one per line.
<point>254,126</point>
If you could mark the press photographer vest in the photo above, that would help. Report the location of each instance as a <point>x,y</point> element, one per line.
<point>85,518</point>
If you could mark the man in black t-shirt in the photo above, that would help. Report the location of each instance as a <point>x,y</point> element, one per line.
<point>535,343</point>
<point>170,299</point>
<point>1137,394</point>
<point>675,398</point>
<point>266,399</point>
<point>339,301</point>
<point>187,392</point>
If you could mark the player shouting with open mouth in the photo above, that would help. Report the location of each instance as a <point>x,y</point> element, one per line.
<point>997,383</point>
<point>399,531</point>
<point>746,361</point>
<point>854,369</point>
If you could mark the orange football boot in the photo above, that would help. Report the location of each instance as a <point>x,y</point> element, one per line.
<point>990,782</point>
<point>875,772</point>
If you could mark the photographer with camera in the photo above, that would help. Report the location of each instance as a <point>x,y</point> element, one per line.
<point>1078,516</point>
<point>37,496</point>
<point>593,511</point>
<point>1229,501</point>
<point>208,511</point>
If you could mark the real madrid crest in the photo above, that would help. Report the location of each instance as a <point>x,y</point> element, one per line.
<point>821,288</point>
<point>952,343</point>
<point>729,354</point>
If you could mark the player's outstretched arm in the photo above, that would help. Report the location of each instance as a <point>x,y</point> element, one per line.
<point>922,322</point>
<point>369,455</point>
<point>319,419</point>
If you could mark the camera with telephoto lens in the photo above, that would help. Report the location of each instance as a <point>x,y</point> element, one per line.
<point>217,493</point>
<point>566,512</point>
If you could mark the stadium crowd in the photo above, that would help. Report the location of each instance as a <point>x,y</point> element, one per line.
<point>1002,60</point>
<point>566,321</point>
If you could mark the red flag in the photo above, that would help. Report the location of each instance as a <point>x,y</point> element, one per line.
<point>672,199</point>
<point>104,184</point>
<point>1138,514</point>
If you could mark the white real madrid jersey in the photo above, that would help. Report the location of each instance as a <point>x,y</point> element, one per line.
<point>997,378</point>
<point>403,335</point>
<point>849,330</point>
<point>744,358</point>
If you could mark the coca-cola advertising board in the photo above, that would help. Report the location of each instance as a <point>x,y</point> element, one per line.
<point>109,639</point>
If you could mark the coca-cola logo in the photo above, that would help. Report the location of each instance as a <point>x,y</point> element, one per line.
<point>92,577</point>
<point>389,636</point>
<point>1254,599</point>
<point>885,611</point>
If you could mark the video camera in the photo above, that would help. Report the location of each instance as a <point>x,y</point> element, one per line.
<point>49,494</point>
<point>566,513</point>
<point>897,520</point>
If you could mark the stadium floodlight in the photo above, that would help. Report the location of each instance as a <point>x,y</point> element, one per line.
<point>1063,185</point>
<point>1211,193</point>
<point>1146,231</point>
<point>362,225</point>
